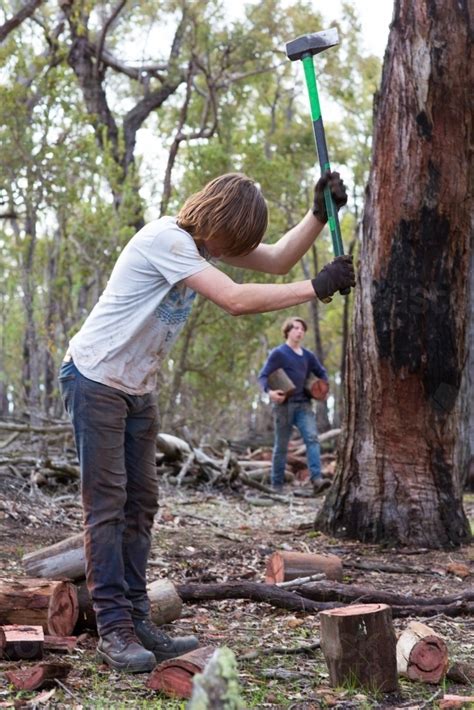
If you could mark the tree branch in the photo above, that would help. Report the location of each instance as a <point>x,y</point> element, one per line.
<point>26,11</point>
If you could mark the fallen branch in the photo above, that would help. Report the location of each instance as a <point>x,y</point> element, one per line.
<point>284,651</point>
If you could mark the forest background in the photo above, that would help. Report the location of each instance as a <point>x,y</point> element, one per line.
<point>218,95</point>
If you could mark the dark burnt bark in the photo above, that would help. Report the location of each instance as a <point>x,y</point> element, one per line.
<point>400,469</point>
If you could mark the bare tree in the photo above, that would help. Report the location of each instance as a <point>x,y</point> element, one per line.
<point>403,455</point>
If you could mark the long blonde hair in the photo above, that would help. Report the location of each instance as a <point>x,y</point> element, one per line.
<point>230,207</point>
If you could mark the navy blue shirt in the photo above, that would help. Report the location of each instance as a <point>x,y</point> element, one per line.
<point>297,367</point>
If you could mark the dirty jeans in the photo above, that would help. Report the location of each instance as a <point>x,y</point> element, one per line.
<point>285,417</point>
<point>115,436</point>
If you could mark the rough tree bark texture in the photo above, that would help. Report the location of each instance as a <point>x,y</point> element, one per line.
<point>400,469</point>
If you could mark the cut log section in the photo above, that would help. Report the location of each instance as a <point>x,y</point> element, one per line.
<point>21,642</point>
<point>285,566</point>
<point>422,654</point>
<point>279,380</point>
<point>316,388</point>
<point>63,560</point>
<point>166,605</point>
<point>359,645</point>
<point>39,676</point>
<point>175,676</point>
<point>39,602</point>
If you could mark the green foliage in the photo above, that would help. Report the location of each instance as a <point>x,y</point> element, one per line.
<point>75,196</point>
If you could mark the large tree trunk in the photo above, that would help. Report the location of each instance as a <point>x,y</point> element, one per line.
<point>400,469</point>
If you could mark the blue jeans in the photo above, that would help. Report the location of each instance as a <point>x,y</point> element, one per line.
<point>286,416</point>
<point>115,436</point>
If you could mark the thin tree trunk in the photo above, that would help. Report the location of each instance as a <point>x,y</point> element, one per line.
<point>399,473</point>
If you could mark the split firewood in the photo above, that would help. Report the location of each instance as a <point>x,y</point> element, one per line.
<point>359,645</point>
<point>21,642</point>
<point>217,688</point>
<point>166,604</point>
<point>422,654</point>
<point>63,560</point>
<point>175,676</point>
<point>39,602</point>
<point>285,566</point>
<point>39,676</point>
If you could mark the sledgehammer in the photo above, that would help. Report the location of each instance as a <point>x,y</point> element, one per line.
<point>304,48</point>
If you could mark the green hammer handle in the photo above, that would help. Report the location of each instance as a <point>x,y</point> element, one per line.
<point>320,139</point>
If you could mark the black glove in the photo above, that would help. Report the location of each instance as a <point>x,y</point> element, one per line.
<point>336,276</point>
<point>338,192</point>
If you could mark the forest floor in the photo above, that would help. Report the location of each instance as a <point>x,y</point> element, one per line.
<point>203,535</point>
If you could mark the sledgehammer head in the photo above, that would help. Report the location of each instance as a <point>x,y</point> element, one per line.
<point>311,44</point>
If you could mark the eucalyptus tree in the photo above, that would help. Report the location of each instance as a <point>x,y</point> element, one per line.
<point>404,452</point>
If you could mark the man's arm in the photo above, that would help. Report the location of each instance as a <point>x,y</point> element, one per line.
<point>280,257</point>
<point>242,299</point>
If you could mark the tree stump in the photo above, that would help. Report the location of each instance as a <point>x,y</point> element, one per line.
<point>21,642</point>
<point>63,560</point>
<point>175,676</point>
<point>166,604</point>
<point>285,566</point>
<point>39,602</point>
<point>359,645</point>
<point>279,380</point>
<point>422,654</point>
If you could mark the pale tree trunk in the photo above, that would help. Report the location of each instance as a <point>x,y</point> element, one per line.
<point>400,465</point>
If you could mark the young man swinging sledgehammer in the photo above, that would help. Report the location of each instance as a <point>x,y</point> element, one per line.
<point>108,380</point>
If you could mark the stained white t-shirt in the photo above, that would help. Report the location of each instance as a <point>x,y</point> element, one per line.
<point>142,310</point>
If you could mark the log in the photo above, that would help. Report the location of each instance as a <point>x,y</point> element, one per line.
<point>285,566</point>
<point>332,591</point>
<point>21,642</point>
<point>166,605</point>
<point>175,676</point>
<point>422,654</point>
<point>269,593</point>
<point>63,560</point>
<point>316,388</point>
<point>50,604</point>
<point>359,645</point>
<point>39,676</point>
<point>279,380</point>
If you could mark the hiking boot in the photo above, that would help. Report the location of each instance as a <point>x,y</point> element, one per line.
<point>162,645</point>
<point>320,485</point>
<point>121,649</point>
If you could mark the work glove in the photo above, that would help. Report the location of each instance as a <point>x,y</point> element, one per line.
<point>336,276</point>
<point>338,192</point>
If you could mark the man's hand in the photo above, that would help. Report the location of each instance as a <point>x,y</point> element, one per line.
<point>338,192</point>
<point>277,396</point>
<point>336,276</point>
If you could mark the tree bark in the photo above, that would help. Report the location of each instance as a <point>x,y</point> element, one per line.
<point>63,560</point>
<point>285,566</point>
<point>399,474</point>
<point>175,676</point>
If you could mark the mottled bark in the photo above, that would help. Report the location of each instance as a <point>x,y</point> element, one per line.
<point>400,469</point>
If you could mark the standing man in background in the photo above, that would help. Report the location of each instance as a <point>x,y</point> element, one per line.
<point>295,410</point>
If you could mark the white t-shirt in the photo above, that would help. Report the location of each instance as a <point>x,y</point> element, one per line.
<point>141,311</point>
